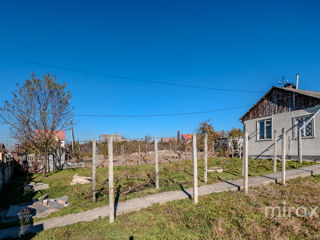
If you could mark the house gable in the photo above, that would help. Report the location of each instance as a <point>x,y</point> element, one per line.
<point>279,100</point>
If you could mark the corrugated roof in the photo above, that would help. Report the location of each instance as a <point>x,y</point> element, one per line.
<point>303,92</point>
<point>314,94</point>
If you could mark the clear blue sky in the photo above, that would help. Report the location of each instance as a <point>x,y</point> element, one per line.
<point>223,44</point>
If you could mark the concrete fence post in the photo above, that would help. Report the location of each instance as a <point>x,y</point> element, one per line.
<point>245,161</point>
<point>156,162</point>
<point>195,169</point>
<point>299,146</point>
<point>111,189</point>
<point>275,151</point>
<point>206,157</point>
<point>283,175</point>
<point>94,170</point>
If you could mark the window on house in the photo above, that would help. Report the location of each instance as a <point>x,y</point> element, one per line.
<point>306,129</point>
<point>265,129</point>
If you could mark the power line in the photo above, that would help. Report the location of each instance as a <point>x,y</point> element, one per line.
<point>159,115</point>
<point>128,78</point>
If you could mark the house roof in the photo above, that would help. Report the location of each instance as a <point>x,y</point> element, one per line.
<point>313,94</point>
<point>303,92</point>
<point>187,136</point>
<point>61,135</point>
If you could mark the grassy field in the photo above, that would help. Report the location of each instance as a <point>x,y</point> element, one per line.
<point>131,181</point>
<point>228,215</point>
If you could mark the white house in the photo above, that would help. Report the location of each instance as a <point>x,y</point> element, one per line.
<point>289,108</point>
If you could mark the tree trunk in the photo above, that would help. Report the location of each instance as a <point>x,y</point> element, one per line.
<point>44,165</point>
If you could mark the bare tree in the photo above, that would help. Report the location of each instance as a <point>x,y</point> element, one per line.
<point>36,111</point>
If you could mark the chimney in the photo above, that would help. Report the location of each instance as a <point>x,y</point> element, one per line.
<point>297,80</point>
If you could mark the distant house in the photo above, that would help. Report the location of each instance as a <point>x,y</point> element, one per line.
<point>115,137</point>
<point>289,108</point>
<point>168,140</point>
<point>2,151</point>
<point>186,137</point>
<point>59,136</point>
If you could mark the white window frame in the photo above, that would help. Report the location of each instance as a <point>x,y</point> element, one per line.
<point>265,129</point>
<point>295,127</point>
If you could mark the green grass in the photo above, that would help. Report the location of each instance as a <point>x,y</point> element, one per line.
<point>173,175</point>
<point>227,215</point>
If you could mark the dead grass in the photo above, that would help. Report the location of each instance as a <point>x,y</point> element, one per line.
<point>230,215</point>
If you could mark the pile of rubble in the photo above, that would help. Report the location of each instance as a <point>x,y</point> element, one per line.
<point>80,180</point>
<point>34,187</point>
<point>41,208</point>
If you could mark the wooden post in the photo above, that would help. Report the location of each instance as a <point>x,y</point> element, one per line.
<point>299,146</point>
<point>283,175</point>
<point>72,137</point>
<point>139,152</point>
<point>232,149</point>
<point>195,169</point>
<point>245,160</point>
<point>228,146</point>
<point>156,161</point>
<point>275,143</point>
<point>111,190</point>
<point>85,154</point>
<point>93,170</point>
<point>206,157</point>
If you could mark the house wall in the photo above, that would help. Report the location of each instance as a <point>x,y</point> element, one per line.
<point>57,161</point>
<point>265,148</point>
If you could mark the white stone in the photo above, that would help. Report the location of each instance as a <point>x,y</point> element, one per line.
<point>215,169</point>
<point>80,180</point>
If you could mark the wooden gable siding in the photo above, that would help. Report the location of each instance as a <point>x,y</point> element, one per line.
<point>279,101</point>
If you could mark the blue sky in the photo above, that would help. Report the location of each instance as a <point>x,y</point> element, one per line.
<point>245,45</point>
